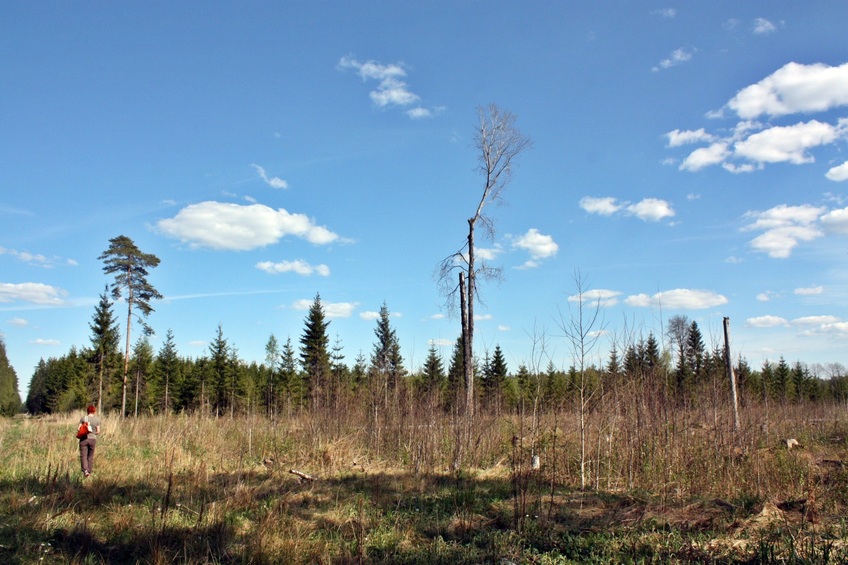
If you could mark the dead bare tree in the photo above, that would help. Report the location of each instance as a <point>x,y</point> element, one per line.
<point>499,143</point>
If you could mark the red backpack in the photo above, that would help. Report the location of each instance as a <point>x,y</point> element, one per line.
<point>84,429</point>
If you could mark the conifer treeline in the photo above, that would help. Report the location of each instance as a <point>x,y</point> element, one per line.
<point>315,375</point>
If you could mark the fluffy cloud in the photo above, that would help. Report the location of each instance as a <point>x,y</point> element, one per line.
<point>273,182</point>
<point>219,225</point>
<point>605,206</point>
<point>766,322</point>
<point>787,144</point>
<point>705,156</point>
<point>539,246</point>
<point>792,89</point>
<point>391,89</point>
<point>647,209</point>
<point>836,221</point>
<point>783,228</point>
<point>299,267</point>
<point>680,298</point>
<point>838,173</point>
<point>34,293</point>
<point>651,209</point>
<point>678,137</point>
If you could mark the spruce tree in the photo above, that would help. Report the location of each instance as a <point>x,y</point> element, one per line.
<point>10,398</point>
<point>105,343</point>
<point>386,360</point>
<point>434,371</point>
<point>219,354</point>
<point>166,372</point>
<point>315,353</point>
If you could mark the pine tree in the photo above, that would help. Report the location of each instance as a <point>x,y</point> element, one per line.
<point>10,398</point>
<point>130,267</point>
<point>315,354</point>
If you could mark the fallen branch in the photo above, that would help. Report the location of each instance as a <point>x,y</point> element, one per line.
<point>303,476</point>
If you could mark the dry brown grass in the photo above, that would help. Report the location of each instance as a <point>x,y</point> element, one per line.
<point>200,490</point>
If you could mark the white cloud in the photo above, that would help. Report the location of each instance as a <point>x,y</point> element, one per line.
<point>37,259</point>
<point>809,291</point>
<point>815,320</point>
<point>503,328</point>
<point>839,329</point>
<point>784,227</point>
<point>331,309</point>
<point>488,253</point>
<point>46,342</point>
<point>766,322</point>
<point>763,27</point>
<point>273,182</point>
<point>764,296</point>
<point>665,12</point>
<point>678,137</point>
<point>651,209</point>
<point>787,143</point>
<point>298,266</point>
<point>647,209</point>
<point>18,322</point>
<point>680,298</point>
<point>370,315</point>
<point>539,246</point>
<point>779,242</point>
<point>605,206</point>
<point>705,156</point>
<point>838,173</point>
<point>677,57</point>
<point>391,89</point>
<point>419,113</point>
<point>219,225</point>
<point>836,221</point>
<point>794,88</point>
<point>594,296</point>
<point>34,293</point>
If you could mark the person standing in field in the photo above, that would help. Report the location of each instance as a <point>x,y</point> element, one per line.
<point>89,442</point>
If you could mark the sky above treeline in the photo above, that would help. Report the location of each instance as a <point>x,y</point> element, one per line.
<point>687,159</point>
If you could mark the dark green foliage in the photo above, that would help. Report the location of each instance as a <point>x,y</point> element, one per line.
<point>10,398</point>
<point>315,354</point>
<point>433,375</point>
<point>130,267</point>
<point>105,347</point>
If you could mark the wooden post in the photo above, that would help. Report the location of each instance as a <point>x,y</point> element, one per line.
<point>729,364</point>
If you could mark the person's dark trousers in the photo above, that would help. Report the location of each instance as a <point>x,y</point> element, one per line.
<point>87,455</point>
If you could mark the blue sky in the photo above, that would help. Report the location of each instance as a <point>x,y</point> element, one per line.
<point>688,159</point>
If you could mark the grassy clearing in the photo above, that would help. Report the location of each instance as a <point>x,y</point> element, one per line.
<point>190,489</point>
